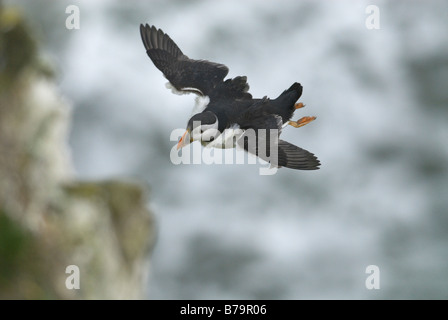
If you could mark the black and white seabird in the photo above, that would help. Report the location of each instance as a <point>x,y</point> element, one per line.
<point>230,111</point>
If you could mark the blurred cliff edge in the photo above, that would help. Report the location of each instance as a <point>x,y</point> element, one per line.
<point>59,238</point>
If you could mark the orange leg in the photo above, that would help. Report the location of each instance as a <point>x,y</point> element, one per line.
<point>299,105</point>
<point>301,122</point>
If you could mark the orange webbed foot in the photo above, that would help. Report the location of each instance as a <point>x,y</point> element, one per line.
<point>299,105</point>
<point>301,122</point>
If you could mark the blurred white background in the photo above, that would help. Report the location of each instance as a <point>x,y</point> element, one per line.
<point>225,232</point>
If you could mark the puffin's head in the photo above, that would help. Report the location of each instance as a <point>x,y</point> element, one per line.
<point>202,126</point>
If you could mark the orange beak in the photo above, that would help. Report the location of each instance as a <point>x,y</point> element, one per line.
<point>184,140</point>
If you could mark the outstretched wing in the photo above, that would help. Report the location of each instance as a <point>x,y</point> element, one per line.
<point>233,89</point>
<point>261,138</point>
<point>185,74</point>
<point>291,156</point>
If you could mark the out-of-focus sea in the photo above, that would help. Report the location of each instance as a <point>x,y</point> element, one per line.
<point>225,232</point>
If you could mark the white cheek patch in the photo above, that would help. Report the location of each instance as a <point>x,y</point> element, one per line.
<point>210,134</point>
<point>205,132</point>
<point>196,133</point>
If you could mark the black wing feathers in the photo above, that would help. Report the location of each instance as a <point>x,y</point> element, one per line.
<point>199,76</point>
<point>288,155</point>
<point>293,157</point>
<point>154,39</point>
<point>236,88</point>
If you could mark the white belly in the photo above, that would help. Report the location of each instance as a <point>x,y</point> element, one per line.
<point>227,139</point>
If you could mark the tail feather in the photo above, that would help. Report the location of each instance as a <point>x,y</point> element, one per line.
<point>284,104</point>
<point>292,94</point>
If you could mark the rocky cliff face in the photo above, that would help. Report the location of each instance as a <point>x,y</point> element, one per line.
<point>48,220</point>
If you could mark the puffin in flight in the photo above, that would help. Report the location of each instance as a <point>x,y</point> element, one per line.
<point>230,114</point>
